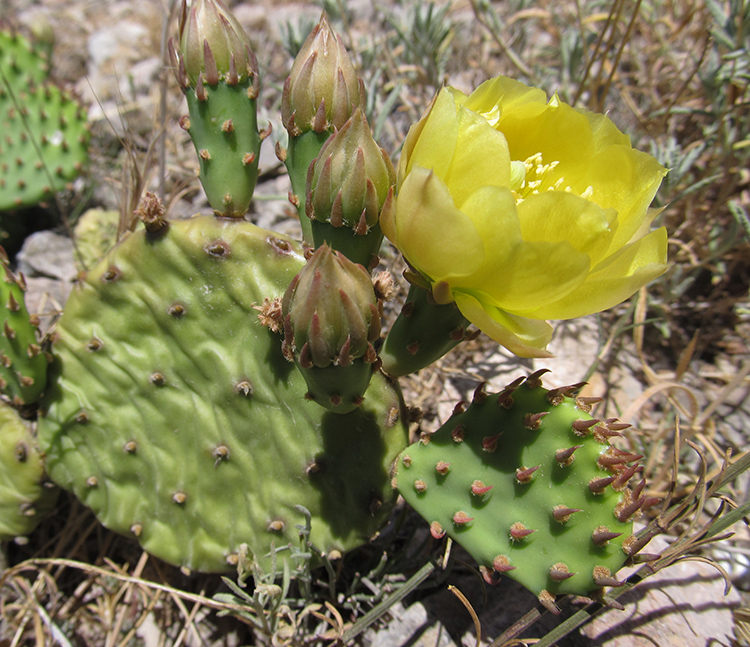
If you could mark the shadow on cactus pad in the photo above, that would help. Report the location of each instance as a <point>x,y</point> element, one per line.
<point>175,418</point>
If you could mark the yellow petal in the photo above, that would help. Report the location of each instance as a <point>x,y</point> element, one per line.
<point>534,274</point>
<point>556,216</point>
<point>481,157</point>
<point>561,133</point>
<point>434,236</point>
<point>523,337</point>
<point>627,180</point>
<point>492,212</point>
<point>436,142</point>
<point>615,280</point>
<point>503,95</point>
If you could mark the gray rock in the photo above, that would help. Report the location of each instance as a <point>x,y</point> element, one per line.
<point>47,254</point>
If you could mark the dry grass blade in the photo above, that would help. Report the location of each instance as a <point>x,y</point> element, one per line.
<point>474,617</point>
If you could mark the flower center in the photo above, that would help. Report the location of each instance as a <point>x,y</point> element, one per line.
<point>533,176</point>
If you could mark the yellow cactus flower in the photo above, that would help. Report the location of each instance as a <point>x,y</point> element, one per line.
<point>521,209</point>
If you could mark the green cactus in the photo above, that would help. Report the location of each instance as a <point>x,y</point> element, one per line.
<point>527,481</point>
<point>331,320</point>
<point>23,365</point>
<point>95,233</point>
<point>46,134</point>
<point>25,496</point>
<point>218,73</point>
<point>423,332</point>
<point>174,415</point>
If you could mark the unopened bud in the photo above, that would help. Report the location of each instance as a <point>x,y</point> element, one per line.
<point>330,311</point>
<point>349,183</point>
<point>323,87</point>
<point>214,44</point>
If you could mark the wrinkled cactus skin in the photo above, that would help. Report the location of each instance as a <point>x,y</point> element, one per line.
<point>175,417</point>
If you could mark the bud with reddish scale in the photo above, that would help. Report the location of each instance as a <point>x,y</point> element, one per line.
<point>323,87</point>
<point>348,186</point>
<point>331,319</point>
<point>213,42</point>
<point>319,96</point>
<point>218,73</point>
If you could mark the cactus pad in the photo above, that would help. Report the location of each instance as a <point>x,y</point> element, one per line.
<point>23,365</point>
<point>176,418</point>
<point>24,496</point>
<point>45,132</point>
<point>527,481</point>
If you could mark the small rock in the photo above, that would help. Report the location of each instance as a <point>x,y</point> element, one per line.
<point>47,254</point>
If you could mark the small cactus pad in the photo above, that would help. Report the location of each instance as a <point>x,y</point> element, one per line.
<point>527,481</point>
<point>44,136</point>
<point>23,365</point>
<point>24,496</point>
<point>176,418</point>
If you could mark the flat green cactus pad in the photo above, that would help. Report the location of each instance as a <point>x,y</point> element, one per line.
<point>527,481</point>
<point>24,496</point>
<point>175,417</point>
<point>44,142</point>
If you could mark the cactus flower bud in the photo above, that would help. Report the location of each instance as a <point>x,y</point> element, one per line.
<point>331,317</point>
<point>212,42</point>
<point>332,310</point>
<point>352,178</point>
<point>349,185</point>
<point>323,87</point>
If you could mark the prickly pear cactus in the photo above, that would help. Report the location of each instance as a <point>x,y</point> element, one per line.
<point>527,481</point>
<point>23,365</point>
<point>174,415</point>
<point>25,496</point>
<point>45,132</point>
<point>95,233</point>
